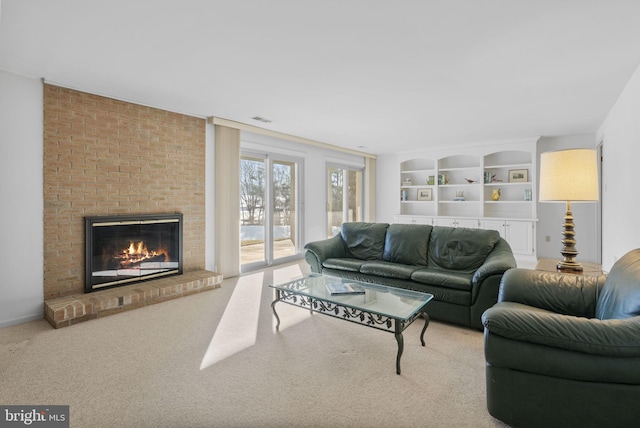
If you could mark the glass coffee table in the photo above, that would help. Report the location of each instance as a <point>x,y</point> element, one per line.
<point>381,307</point>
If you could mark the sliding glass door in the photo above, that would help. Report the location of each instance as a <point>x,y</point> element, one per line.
<point>269,209</point>
<point>344,196</point>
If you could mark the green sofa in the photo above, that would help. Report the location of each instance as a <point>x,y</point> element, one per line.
<point>461,267</point>
<point>563,350</point>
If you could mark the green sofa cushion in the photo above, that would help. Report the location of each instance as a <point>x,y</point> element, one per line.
<point>620,297</point>
<point>443,278</point>
<point>460,248</point>
<point>352,265</point>
<point>364,241</point>
<point>407,244</point>
<point>388,269</point>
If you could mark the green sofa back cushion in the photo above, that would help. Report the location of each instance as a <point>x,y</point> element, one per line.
<point>620,297</point>
<point>460,248</point>
<point>364,241</point>
<point>407,244</point>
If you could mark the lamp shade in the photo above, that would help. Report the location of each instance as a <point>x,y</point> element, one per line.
<point>569,175</point>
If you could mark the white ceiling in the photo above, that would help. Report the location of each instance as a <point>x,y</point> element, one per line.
<point>380,75</point>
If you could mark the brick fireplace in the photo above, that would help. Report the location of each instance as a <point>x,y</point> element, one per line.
<point>104,157</point>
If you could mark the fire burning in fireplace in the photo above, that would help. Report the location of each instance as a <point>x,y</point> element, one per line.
<point>126,249</point>
<point>137,252</point>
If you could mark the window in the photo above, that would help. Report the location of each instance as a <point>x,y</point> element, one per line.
<point>344,196</point>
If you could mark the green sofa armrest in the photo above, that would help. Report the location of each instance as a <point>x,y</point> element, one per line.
<point>497,262</point>
<point>614,338</point>
<point>556,292</point>
<point>318,251</point>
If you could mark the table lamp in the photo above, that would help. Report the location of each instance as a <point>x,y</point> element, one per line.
<point>569,176</point>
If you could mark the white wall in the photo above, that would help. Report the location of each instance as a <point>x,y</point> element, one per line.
<point>21,246</point>
<point>551,214</point>
<point>620,134</point>
<point>388,187</point>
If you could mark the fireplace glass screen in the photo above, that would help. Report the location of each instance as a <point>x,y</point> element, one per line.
<point>126,249</point>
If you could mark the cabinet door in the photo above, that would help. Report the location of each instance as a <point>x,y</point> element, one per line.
<point>405,219</point>
<point>520,237</point>
<point>449,222</point>
<point>422,220</point>
<point>470,223</point>
<point>402,219</point>
<point>498,225</point>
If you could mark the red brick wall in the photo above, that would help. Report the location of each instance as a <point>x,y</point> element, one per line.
<point>106,157</point>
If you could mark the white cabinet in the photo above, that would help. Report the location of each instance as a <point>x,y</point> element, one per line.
<point>471,223</point>
<point>407,219</point>
<point>463,185</point>
<point>455,187</point>
<point>519,234</point>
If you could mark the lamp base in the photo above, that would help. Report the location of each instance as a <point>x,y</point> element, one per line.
<point>569,244</point>
<point>569,266</point>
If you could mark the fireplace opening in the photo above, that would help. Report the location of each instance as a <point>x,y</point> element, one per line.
<point>121,250</point>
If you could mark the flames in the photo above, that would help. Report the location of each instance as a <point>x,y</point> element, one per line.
<point>138,252</point>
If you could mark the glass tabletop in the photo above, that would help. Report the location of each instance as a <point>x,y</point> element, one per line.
<point>388,301</point>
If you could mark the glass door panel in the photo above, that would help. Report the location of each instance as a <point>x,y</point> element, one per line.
<point>252,210</point>
<point>285,214</point>
<point>335,200</point>
<point>344,197</point>
<point>355,196</point>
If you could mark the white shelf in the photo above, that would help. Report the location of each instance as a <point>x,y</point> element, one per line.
<point>463,168</point>
<point>499,183</point>
<point>459,185</point>
<point>412,171</point>
<point>510,166</point>
<point>473,165</point>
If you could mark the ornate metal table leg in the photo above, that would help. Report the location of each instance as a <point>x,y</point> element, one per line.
<point>273,308</point>
<point>400,341</point>
<point>426,324</point>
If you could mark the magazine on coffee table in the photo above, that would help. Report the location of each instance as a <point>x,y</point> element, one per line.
<point>344,288</point>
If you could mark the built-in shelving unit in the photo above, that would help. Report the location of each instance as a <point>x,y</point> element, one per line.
<point>459,190</point>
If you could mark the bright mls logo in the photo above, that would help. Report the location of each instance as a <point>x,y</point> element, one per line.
<point>35,416</point>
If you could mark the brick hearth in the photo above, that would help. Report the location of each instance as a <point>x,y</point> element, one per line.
<point>76,308</point>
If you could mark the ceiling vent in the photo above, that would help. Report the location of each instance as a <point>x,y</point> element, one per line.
<point>261,119</point>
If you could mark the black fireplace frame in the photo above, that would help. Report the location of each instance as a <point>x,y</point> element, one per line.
<point>91,221</point>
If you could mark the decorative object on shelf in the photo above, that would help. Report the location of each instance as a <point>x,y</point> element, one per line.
<point>495,180</point>
<point>470,180</point>
<point>518,175</point>
<point>431,180</point>
<point>487,177</point>
<point>425,194</point>
<point>495,194</point>
<point>407,181</point>
<point>404,195</point>
<point>459,195</point>
<point>569,176</point>
<point>442,179</point>
<point>527,194</point>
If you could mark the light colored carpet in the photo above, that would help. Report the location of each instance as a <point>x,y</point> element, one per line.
<point>214,360</point>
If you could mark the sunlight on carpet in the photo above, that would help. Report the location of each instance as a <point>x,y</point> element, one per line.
<point>238,327</point>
